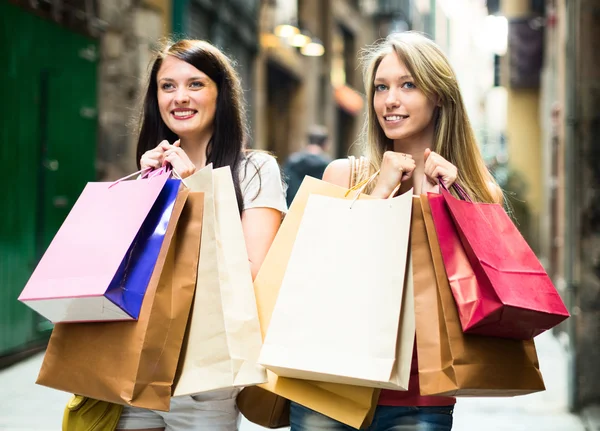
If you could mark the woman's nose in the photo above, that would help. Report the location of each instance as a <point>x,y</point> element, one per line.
<point>392,100</point>
<point>182,97</point>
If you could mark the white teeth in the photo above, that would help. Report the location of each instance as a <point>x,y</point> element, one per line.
<point>395,117</point>
<point>183,113</point>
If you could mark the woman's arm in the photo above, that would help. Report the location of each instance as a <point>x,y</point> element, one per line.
<point>264,203</point>
<point>395,168</point>
<point>260,226</point>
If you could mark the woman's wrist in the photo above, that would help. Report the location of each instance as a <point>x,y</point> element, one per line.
<point>381,191</point>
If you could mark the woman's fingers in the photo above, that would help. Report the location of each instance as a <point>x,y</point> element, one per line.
<point>179,161</point>
<point>438,168</point>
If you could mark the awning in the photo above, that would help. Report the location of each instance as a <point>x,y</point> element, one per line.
<point>349,99</point>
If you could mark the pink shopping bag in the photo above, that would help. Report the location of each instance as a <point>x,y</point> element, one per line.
<point>99,264</point>
<point>499,285</point>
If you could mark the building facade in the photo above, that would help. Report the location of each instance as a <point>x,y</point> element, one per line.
<point>73,72</point>
<point>296,90</point>
<point>566,150</point>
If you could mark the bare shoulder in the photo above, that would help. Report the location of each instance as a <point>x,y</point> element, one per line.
<point>338,172</point>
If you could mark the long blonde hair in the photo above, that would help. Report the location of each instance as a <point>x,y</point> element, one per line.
<point>453,138</point>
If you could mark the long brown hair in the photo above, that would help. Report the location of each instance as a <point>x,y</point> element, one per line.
<point>453,138</point>
<point>226,147</point>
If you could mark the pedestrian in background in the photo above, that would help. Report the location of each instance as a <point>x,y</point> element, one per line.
<point>417,133</point>
<point>311,161</point>
<point>193,115</point>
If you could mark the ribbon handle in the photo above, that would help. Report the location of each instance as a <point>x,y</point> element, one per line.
<point>361,186</point>
<point>459,190</point>
<point>149,173</point>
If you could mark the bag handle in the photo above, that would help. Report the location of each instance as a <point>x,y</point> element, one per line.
<point>149,173</point>
<point>459,190</point>
<point>166,169</point>
<point>356,166</point>
<point>360,188</point>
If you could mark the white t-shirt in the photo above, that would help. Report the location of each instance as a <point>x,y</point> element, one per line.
<point>260,182</point>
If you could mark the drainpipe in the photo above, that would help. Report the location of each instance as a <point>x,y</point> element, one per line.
<point>571,198</point>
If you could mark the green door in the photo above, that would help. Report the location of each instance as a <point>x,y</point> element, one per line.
<point>47,152</point>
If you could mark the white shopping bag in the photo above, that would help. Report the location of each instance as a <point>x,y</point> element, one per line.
<point>338,314</point>
<point>224,338</point>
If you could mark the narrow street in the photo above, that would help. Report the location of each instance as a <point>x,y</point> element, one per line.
<point>500,98</point>
<point>25,406</point>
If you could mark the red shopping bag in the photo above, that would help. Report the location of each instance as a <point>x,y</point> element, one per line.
<point>505,291</point>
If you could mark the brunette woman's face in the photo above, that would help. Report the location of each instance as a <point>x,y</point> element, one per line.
<point>187,98</point>
<point>402,109</point>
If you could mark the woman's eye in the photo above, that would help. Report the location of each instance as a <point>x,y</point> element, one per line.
<point>409,85</point>
<point>196,84</point>
<point>166,86</point>
<point>380,87</point>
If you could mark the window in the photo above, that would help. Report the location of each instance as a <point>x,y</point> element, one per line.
<point>343,59</point>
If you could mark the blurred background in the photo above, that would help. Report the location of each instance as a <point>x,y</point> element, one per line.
<point>529,72</point>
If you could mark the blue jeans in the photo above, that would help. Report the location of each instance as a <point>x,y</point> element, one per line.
<point>387,418</point>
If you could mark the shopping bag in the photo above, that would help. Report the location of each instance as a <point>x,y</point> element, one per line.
<point>223,342</point>
<point>511,294</point>
<point>86,414</point>
<point>340,290</point>
<point>452,363</point>
<point>264,408</point>
<point>134,363</point>
<point>98,266</point>
<point>461,277</point>
<point>352,405</point>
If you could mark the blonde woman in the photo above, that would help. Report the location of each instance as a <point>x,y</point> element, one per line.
<point>418,134</point>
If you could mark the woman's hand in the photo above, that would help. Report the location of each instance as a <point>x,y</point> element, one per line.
<point>179,160</point>
<point>437,168</point>
<point>154,158</point>
<point>395,168</point>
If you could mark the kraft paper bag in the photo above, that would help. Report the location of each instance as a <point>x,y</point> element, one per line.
<point>337,316</point>
<point>134,363</point>
<point>452,363</point>
<point>224,339</point>
<point>264,408</point>
<point>352,405</point>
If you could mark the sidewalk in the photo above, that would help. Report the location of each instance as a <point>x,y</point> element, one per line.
<point>25,406</point>
<point>545,411</point>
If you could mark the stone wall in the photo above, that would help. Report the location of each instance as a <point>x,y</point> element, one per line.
<point>132,29</point>
<point>587,188</point>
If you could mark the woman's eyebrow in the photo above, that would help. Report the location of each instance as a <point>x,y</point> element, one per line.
<point>385,78</point>
<point>193,78</point>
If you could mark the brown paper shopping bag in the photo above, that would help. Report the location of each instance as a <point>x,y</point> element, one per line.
<point>264,408</point>
<point>452,363</point>
<point>341,289</point>
<point>352,405</point>
<point>134,363</point>
<point>224,339</point>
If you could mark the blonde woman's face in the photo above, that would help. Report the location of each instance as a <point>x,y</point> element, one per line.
<point>187,98</point>
<point>403,110</point>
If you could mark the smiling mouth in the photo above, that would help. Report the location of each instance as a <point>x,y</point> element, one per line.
<point>395,117</point>
<point>183,114</point>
